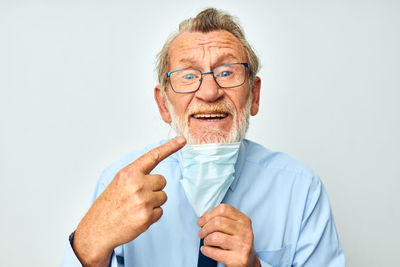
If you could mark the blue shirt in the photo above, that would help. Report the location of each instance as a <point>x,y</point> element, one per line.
<point>288,206</point>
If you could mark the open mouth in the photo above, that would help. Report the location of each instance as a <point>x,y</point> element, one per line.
<point>210,116</point>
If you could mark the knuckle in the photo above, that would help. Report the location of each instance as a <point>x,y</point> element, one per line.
<point>160,212</point>
<point>141,201</point>
<point>122,175</point>
<point>155,154</point>
<point>163,181</point>
<point>217,237</point>
<point>222,208</point>
<point>157,214</point>
<point>213,237</point>
<point>208,240</point>
<point>143,217</point>
<point>138,186</point>
<point>147,214</point>
<point>249,237</point>
<point>163,197</point>
<point>248,220</point>
<point>218,222</point>
<point>223,238</point>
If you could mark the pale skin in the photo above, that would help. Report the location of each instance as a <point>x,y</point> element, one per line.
<point>132,202</point>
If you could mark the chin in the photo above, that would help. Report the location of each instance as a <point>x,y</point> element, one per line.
<point>212,136</point>
<point>208,139</point>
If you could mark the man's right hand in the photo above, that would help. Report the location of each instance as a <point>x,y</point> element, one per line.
<point>126,208</point>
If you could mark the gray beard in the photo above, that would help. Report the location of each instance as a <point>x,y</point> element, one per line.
<point>208,136</point>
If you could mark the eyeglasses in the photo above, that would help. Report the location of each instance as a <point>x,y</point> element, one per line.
<point>226,76</point>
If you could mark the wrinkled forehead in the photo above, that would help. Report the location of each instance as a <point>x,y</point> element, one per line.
<point>195,47</point>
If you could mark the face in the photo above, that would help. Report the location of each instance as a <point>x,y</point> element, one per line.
<point>211,114</point>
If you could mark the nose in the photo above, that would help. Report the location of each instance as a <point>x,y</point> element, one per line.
<point>209,90</point>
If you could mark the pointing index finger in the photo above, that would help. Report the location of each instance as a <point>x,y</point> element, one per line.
<point>150,160</point>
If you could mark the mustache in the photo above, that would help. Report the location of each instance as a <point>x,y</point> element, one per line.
<point>218,107</point>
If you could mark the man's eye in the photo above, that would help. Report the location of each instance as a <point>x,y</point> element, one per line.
<point>224,74</point>
<point>189,76</point>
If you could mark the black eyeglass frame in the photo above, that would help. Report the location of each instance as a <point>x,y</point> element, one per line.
<point>246,65</point>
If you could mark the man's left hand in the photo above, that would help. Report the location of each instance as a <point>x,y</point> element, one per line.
<point>228,237</point>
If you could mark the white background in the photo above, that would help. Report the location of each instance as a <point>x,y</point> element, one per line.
<point>77,79</point>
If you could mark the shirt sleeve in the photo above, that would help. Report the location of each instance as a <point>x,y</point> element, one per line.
<point>70,259</point>
<point>318,243</point>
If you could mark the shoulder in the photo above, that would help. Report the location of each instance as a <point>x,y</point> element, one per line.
<point>277,173</point>
<point>272,161</point>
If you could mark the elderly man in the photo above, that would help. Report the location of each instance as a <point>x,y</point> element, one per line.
<point>230,201</point>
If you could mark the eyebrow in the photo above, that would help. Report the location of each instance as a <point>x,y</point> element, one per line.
<point>226,59</point>
<point>187,60</point>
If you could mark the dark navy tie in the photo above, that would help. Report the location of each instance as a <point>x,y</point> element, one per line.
<point>205,261</point>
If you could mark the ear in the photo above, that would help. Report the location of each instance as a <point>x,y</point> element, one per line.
<point>256,96</point>
<point>159,96</point>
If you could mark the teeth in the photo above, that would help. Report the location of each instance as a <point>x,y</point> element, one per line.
<point>211,116</point>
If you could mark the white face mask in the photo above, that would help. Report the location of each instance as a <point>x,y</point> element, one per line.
<point>207,173</point>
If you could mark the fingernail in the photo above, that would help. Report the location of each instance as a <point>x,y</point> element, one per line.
<point>180,140</point>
